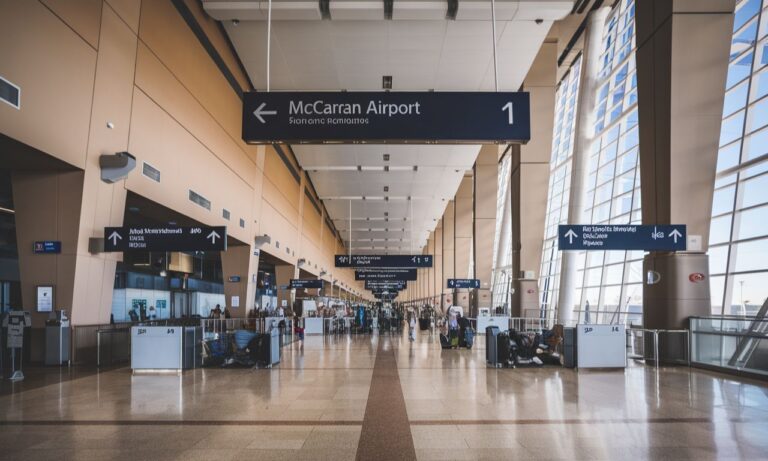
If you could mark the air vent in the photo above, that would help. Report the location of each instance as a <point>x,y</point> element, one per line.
<point>386,157</point>
<point>150,172</point>
<point>277,244</point>
<point>200,200</point>
<point>10,93</point>
<point>242,223</point>
<point>225,214</point>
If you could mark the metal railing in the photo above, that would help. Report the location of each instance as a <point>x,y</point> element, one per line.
<point>636,345</point>
<point>730,343</point>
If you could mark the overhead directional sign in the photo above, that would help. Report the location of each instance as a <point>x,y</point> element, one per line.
<point>306,283</point>
<point>389,274</point>
<point>317,117</point>
<point>463,283</point>
<point>386,284</point>
<point>384,261</point>
<point>622,237</point>
<point>144,238</point>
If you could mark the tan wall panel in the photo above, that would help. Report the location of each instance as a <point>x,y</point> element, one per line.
<point>280,230</point>
<point>211,28</point>
<point>158,139</point>
<point>55,71</point>
<point>277,173</point>
<point>271,194</point>
<point>164,31</point>
<point>162,87</point>
<point>84,16</point>
<point>128,10</point>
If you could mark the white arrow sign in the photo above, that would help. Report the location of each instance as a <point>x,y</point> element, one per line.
<point>571,234</point>
<point>114,236</point>
<point>510,116</point>
<point>675,234</point>
<point>260,111</point>
<point>213,236</point>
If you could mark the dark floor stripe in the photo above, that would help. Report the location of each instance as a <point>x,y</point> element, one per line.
<point>386,434</point>
<point>142,422</point>
<point>484,422</point>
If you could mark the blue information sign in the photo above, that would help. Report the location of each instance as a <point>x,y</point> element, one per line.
<point>383,261</point>
<point>48,246</point>
<point>306,283</point>
<point>622,237</point>
<point>389,274</point>
<point>315,117</point>
<point>463,283</point>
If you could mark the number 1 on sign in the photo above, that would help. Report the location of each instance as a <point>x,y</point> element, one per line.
<point>510,116</point>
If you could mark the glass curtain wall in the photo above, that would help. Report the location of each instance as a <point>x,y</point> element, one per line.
<point>502,245</point>
<point>738,252</point>
<point>559,186</point>
<point>611,281</point>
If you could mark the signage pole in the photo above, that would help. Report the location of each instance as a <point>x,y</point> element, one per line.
<point>350,229</point>
<point>493,28</point>
<point>269,40</point>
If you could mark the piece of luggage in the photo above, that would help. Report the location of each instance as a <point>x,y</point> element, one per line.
<point>445,343</point>
<point>491,357</point>
<point>469,338</point>
<point>502,348</point>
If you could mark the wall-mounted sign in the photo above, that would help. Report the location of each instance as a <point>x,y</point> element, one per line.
<point>47,246</point>
<point>144,238</point>
<point>306,283</point>
<point>386,284</point>
<point>234,278</point>
<point>463,283</point>
<point>389,274</point>
<point>384,261</point>
<point>45,298</point>
<point>316,117</point>
<point>622,237</point>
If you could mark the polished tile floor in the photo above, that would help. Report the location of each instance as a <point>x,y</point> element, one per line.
<point>383,398</point>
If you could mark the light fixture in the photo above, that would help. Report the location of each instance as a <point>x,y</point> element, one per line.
<point>386,81</point>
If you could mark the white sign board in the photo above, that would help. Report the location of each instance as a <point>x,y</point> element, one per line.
<point>44,298</point>
<point>235,301</point>
<point>601,346</point>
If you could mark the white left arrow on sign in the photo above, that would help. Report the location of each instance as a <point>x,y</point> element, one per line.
<point>260,111</point>
<point>114,236</point>
<point>213,236</point>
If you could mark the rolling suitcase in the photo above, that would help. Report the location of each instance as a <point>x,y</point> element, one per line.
<point>502,349</point>
<point>490,345</point>
<point>445,343</point>
<point>469,338</point>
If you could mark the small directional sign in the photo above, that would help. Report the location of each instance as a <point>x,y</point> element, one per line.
<point>389,274</point>
<point>145,238</point>
<point>463,283</point>
<point>377,261</point>
<point>622,237</point>
<point>316,117</point>
<point>48,246</point>
<point>306,283</point>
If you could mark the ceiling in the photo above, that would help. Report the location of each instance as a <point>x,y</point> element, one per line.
<point>353,50</point>
<point>420,181</point>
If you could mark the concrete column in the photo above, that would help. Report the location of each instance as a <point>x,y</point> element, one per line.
<point>530,178</point>
<point>438,262</point>
<point>283,275</point>
<point>682,62</point>
<point>486,180</point>
<point>583,138</point>
<point>463,237</point>
<point>449,252</point>
<point>240,261</point>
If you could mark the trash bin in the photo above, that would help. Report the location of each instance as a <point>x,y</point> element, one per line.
<point>57,338</point>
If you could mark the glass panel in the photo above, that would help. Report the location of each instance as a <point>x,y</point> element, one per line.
<point>749,292</point>
<point>728,156</point>
<point>735,98</point>
<point>751,256</point>
<point>751,223</point>
<point>732,128</point>
<point>720,230</point>
<point>718,258</point>
<point>758,115</point>
<point>716,290</point>
<point>744,12</point>
<point>635,272</point>
<point>739,69</point>
<point>722,201</point>
<point>753,192</point>
<point>614,274</point>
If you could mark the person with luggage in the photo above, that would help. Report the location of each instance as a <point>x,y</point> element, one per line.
<point>412,328</point>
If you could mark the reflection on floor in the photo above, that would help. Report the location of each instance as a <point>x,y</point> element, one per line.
<point>315,405</point>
